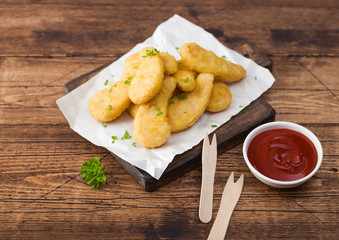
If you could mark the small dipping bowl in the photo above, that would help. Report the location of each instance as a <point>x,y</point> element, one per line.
<point>282,125</point>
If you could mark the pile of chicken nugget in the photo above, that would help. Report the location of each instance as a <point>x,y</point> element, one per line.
<point>164,95</point>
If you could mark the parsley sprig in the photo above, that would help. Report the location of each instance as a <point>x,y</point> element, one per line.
<point>93,172</point>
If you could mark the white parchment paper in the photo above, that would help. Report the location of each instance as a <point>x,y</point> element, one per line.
<point>168,37</point>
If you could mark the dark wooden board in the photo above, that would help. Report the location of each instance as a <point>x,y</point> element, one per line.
<point>229,134</point>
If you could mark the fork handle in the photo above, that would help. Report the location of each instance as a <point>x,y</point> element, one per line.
<point>222,220</point>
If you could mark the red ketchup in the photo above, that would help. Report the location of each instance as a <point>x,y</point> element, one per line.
<point>282,154</point>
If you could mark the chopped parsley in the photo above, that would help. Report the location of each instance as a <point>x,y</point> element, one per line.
<point>176,48</point>
<point>197,76</point>
<point>170,102</point>
<point>214,126</point>
<point>104,125</point>
<point>126,136</point>
<point>115,85</point>
<point>150,53</point>
<point>182,96</point>
<point>241,106</point>
<point>128,81</point>
<point>109,108</point>
<point>110,90</point>
<point>158,111</point>
<point>185,80</point>
<point>114,138</point>
<point>223,57</point>
<point>106,82</point>
<point>134,144</point>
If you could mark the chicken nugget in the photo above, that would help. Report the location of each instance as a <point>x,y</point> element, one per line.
<point>132,109</point>
<point>170,63</point>
<point>150,126</point>
<point>132,62</point>
<point>204,61</point>
<point>186,108</point>
<point>185,80</point>
<point>220,99</point>
<point>148,79</point>
<point>108,104</point>
<point>183,66</point>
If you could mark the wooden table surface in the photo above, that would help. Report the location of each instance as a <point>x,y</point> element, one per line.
<point>44,44</point>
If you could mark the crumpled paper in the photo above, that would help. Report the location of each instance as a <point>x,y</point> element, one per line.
<point>168,37</point>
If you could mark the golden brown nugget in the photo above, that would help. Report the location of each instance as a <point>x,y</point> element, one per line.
<point>185,80</point>
<point>132,109</point>
<point>186,108</point>
<point>108,104</point>
<point>148,79</point>
<point>150,126</point>
<point>220,99</point>
<point>132,62</point>
<point>183,66</point>
<point>170,63</point>
<point>204,61</point>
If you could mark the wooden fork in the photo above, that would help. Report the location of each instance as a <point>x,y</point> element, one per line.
<point>229,199</point>
<point>209,162</point>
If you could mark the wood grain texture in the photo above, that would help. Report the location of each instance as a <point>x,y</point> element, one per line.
<point>45,44</point>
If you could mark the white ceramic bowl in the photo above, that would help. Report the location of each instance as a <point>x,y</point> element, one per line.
<point>279,125</point>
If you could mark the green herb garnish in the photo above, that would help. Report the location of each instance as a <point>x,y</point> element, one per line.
<point>93,172</point>
<point>158,111</point>
<point>176,48</point>
<point>109,108</point>
<point>128,81</point>
<point>223,57</point>
<point>106,82</point>
<point>185,80</point>
<point>114,138</point>
<point>182,96</point>
<point>105,126</point>
<point>170,102</point>
<point>126,136</point>
<point>134,144</point>
<point>150,53</point>
<point>241,106</point>
<point>214,126</point>
<point>110,90</point>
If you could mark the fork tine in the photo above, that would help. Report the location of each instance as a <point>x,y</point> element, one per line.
<point>230,178</point>
<point>241,179</point>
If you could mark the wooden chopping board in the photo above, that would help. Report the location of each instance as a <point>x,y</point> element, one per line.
<point>229,134</point>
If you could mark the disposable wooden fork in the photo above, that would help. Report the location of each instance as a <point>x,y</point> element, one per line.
<point>209,162</point>
<point>229,199</point>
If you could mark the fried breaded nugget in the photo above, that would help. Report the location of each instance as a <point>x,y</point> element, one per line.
<point>132,109</point>
<point>150,126</point>
<point>185,80</point>
<point>132,63</point>
<point>183,66</point>
<point>186,108</point>
<point>220,99</point>
<point>170,63</point>
<point>148,79</point>
<point>204,61</point>
<point>108,104</point>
